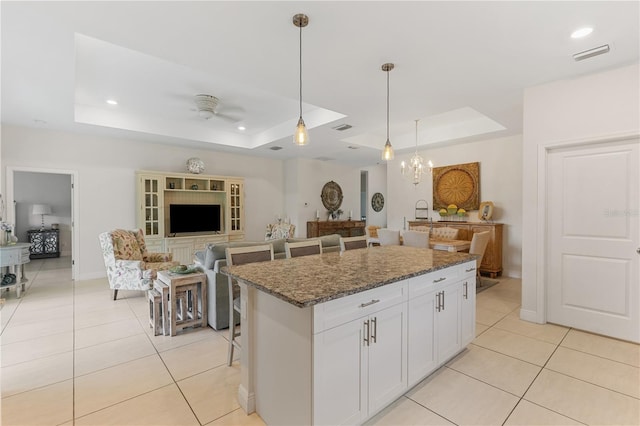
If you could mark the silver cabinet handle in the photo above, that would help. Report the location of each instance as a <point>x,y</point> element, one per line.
<point>443,300</point>
<point>466,290</point>
<point>374,334</point>
<point>470,270</point>
<point>366,333</point>
<point>440,279</point>
<point>364,305</point>
<point>438,302</point>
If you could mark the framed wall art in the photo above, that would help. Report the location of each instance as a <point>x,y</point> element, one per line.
<point>458,184</point>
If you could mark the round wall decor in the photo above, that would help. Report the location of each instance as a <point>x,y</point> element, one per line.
<point>377,202</point>
<point>331,196</point>
<point>195,165</point>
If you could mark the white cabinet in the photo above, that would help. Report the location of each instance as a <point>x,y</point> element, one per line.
<point>441,318</point>
<point>468,310</point>
<point>157,191</point>
<point>360,365</point>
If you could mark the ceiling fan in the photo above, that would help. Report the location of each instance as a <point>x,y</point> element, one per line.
<point>208,106</point>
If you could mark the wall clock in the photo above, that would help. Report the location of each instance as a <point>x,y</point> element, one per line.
<point>377,202</point>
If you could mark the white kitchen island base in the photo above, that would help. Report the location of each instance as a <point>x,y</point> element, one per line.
<point>344,360</point>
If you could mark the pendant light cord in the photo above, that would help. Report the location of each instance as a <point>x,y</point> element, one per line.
<point>300,71</point>
<point>388,105</point>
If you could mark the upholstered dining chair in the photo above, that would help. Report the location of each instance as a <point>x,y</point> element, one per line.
<point>445,233</point>
<point>479,243</point>
<point>129,265</point>
<point>416,239</point>
<point>371,232</point>
<point>389,237</point>
<point>241,256</point>
<point>350,243</point>
<point>302,248</point>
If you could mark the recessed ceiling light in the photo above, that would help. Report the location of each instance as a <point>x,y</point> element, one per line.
<point>242,128</point>
<point>112,102</point>
<point>582,32</point>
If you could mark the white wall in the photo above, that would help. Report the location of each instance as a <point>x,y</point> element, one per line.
<point>591,108</point>
<point>107,186</point>
<point>500,181</point>
<point>377,176</point>
<point>305,179</point>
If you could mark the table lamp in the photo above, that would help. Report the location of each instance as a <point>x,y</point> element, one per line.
<point>41,209</point>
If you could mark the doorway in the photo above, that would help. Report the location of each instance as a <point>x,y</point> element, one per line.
<point>55,189</point>
<point>593,234</point>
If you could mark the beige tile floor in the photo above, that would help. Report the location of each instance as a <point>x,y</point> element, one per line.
<point>69,355</point>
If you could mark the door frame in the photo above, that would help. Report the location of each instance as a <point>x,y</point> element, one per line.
<point>544,151</point>
<point>11,212</point>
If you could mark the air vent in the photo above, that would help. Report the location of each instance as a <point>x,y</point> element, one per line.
<point>342,127</point>
<point>591,53</point>
<point>275,148</point>
<point>353,147</point>
<point>324,159</point>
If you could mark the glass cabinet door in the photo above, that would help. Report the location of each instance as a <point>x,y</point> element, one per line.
<point>236,207</point>
<point>151,191</point>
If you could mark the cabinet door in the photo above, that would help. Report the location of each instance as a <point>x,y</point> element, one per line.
<point>387,356</point>
<point>182,251</point>
<point>468,311</point>
<point>339,367</point>
<point>448,321</point>
<point>150,195</point>
<point>235,191</point>
<point>422,355</point>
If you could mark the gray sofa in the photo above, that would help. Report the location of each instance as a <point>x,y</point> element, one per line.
<point>213,258</point>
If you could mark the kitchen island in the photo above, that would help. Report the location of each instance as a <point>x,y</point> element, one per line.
<point>335,338</point>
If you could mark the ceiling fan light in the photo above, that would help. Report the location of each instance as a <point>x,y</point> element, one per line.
<point>300,136</point>
<point>206,114</point>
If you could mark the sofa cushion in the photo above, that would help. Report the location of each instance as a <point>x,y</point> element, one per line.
<point>330,240</point>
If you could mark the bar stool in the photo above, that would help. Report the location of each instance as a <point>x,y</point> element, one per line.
<point>241,256</point>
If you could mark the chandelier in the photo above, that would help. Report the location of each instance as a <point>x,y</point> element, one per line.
<point>415,168</point>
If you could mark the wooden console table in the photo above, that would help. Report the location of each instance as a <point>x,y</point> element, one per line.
<point>492,260</point>
<point>346,228</point>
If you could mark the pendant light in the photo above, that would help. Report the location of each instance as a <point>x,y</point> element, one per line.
<point>301,137</point>
<point>387,152</point>
<point>416,167</point>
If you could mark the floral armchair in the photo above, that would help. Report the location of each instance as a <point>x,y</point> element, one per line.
<point>129,265</point>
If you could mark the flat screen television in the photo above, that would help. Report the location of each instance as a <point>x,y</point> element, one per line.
<point>190,218</point>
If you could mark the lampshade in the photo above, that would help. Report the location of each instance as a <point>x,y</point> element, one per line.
<point>41,209</point>
<point>300,136</point>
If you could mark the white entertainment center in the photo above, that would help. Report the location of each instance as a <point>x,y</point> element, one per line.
<point>157,191</point>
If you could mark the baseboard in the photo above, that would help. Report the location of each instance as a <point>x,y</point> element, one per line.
<point>531,316</point>
<point>247,401</point>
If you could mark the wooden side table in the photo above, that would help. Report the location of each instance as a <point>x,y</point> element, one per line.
<point>173,282</point>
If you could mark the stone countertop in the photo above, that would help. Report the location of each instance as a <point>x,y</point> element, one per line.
<point>309,280</point>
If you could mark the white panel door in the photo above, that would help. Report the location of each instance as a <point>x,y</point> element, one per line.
<point>593,216</point>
